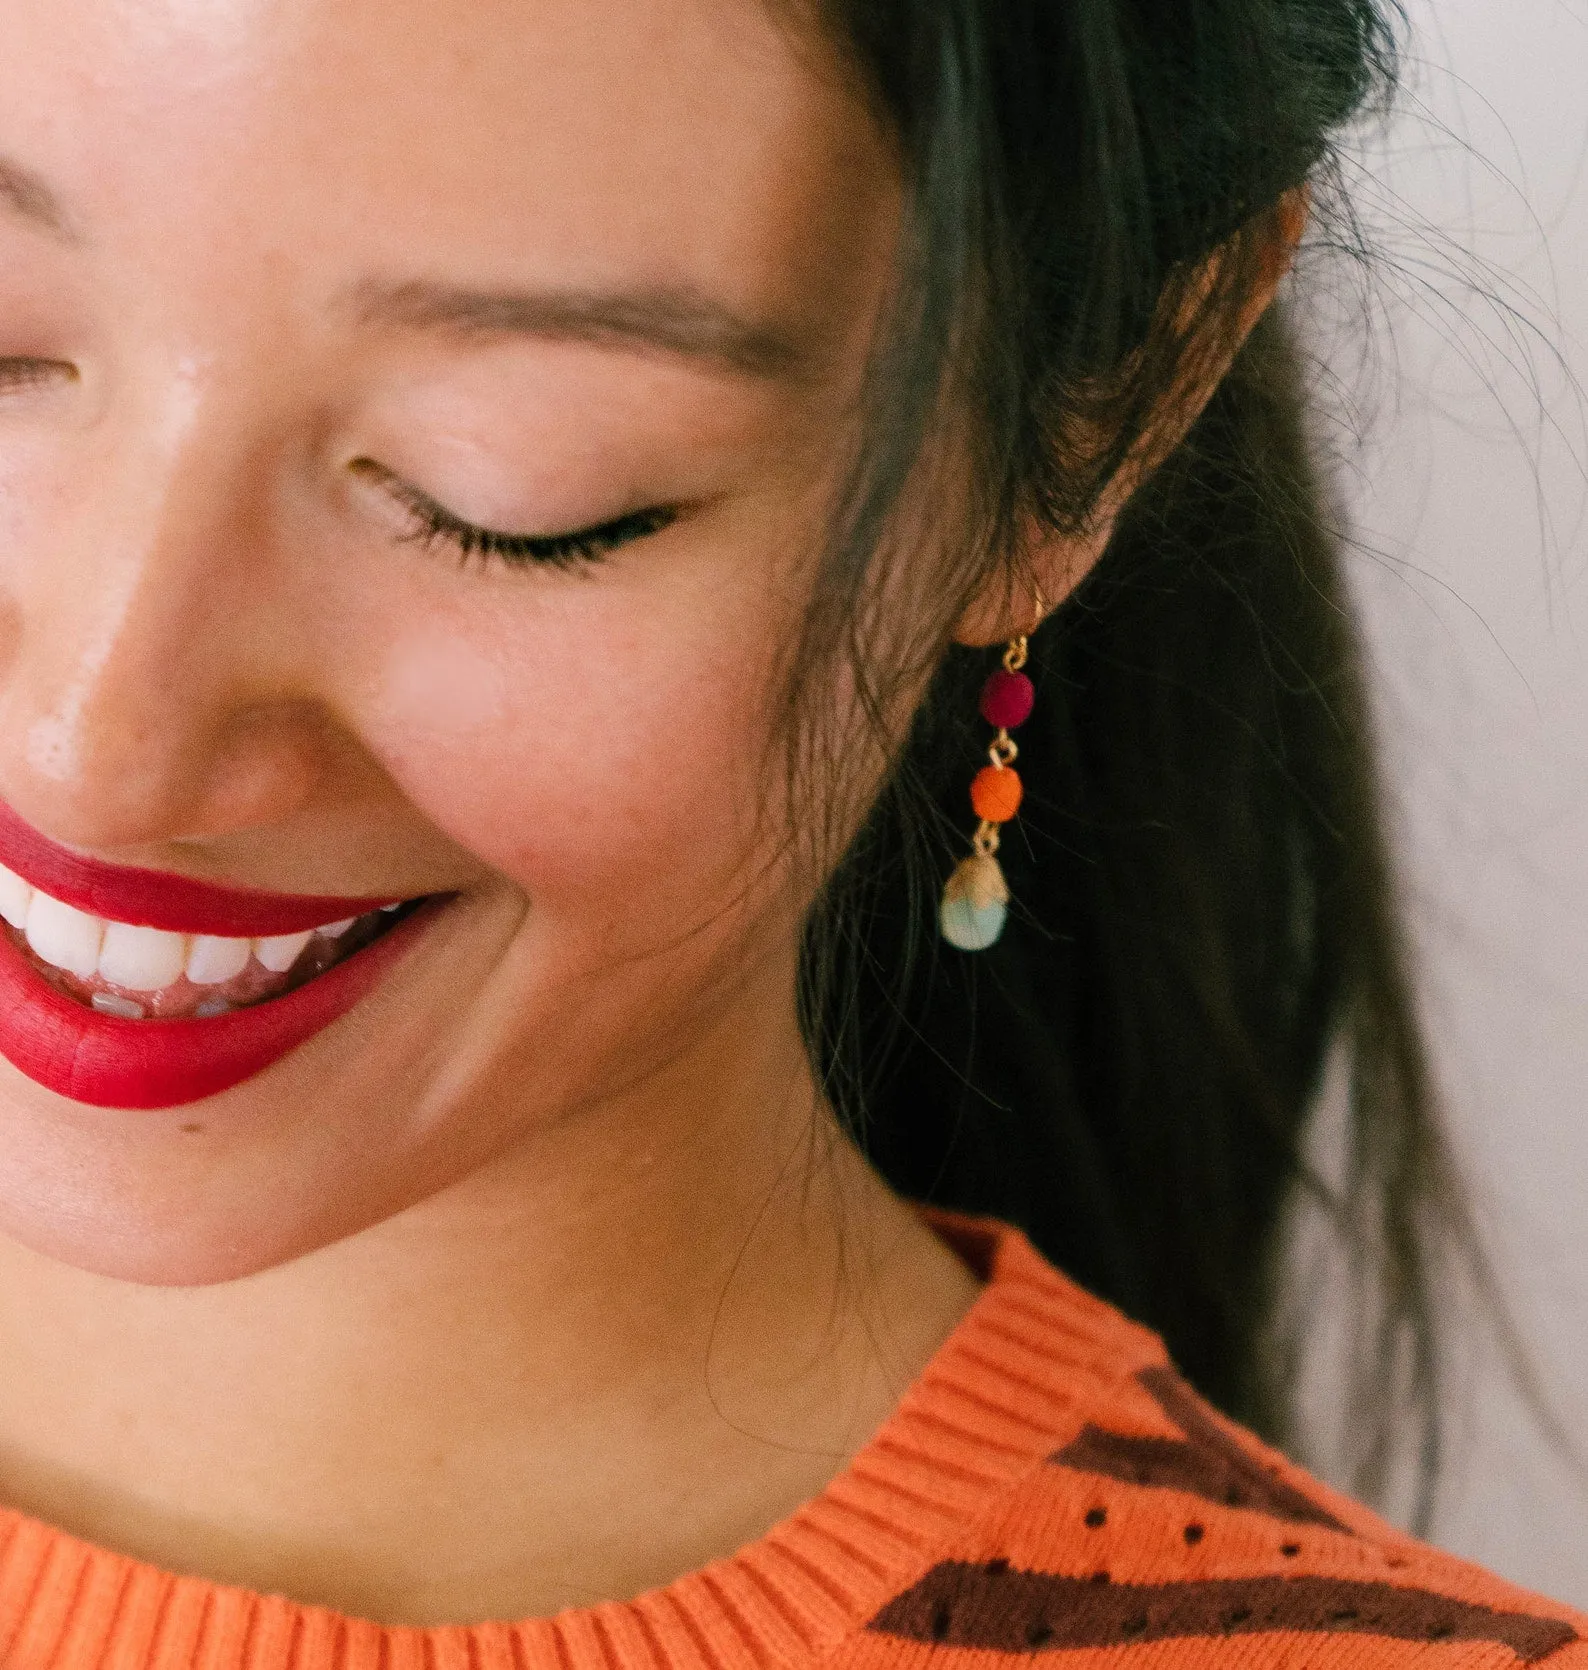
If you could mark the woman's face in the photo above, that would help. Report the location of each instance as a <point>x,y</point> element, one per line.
<point>277,279</point>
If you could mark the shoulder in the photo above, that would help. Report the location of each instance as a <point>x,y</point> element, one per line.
<point>1150,1527</point>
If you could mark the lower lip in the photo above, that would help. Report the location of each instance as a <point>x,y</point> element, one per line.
<point>107,1062</point>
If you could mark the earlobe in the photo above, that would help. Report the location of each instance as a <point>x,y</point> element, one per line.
<point>1051,566</point>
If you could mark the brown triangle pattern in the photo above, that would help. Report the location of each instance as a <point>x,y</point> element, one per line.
<point>1002,1610</point>
<point>1207,1462</point>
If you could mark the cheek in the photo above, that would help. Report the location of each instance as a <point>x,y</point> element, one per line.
<point>613,775</point>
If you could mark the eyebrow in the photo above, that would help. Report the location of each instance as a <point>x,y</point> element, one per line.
<point>25,197</point>
<point>682,322</point>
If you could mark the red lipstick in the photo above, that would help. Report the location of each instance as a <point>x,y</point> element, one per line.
<point>107,1061</point>
<point>153,899</point>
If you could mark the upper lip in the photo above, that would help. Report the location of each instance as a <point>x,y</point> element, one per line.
<point>161,899</point>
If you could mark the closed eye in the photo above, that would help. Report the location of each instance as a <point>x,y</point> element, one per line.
<point>433,524</point>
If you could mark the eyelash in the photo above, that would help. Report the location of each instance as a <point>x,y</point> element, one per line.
<point>435,524</point>
<point>22,373</point>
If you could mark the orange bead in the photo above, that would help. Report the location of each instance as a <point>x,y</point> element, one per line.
<point>996,794</point>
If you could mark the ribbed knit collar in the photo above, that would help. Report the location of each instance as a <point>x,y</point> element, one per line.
<point>1027,1361</point>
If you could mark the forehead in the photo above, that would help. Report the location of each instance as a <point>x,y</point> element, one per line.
<point>598,139</point>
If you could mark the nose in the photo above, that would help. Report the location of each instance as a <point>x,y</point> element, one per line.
<point>149,689</point>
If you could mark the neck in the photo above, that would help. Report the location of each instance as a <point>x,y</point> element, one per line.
<point>632,1343</point>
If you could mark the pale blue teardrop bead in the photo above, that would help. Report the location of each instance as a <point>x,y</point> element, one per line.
<point>971,927</point>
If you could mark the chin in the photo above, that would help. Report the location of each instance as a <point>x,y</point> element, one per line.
<point>195,1196</point>
<point>102,1215</point>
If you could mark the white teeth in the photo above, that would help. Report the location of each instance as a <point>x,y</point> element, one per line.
<point>15,895</point>
<point>141,959</point>
<point>279,953</point>
<point>107,1003</point>
<point>212,1007</point>
<point>64,937</point>
<point>212,961</point>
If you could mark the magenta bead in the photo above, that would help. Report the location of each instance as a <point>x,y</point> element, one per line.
<point>1007,700</point>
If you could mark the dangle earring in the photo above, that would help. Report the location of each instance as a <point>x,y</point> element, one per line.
<point>976,899</point>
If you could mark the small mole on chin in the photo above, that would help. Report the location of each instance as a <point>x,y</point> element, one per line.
<point>192,1130</point>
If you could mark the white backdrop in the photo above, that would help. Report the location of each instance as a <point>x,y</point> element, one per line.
<point>1470,495</point>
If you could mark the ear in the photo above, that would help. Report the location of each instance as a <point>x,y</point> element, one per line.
<point>1056,564</point>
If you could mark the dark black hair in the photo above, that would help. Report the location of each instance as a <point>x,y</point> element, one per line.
<point>1205,916</point>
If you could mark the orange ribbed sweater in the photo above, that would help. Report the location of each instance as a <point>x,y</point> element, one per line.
<point>1048,1490</point>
